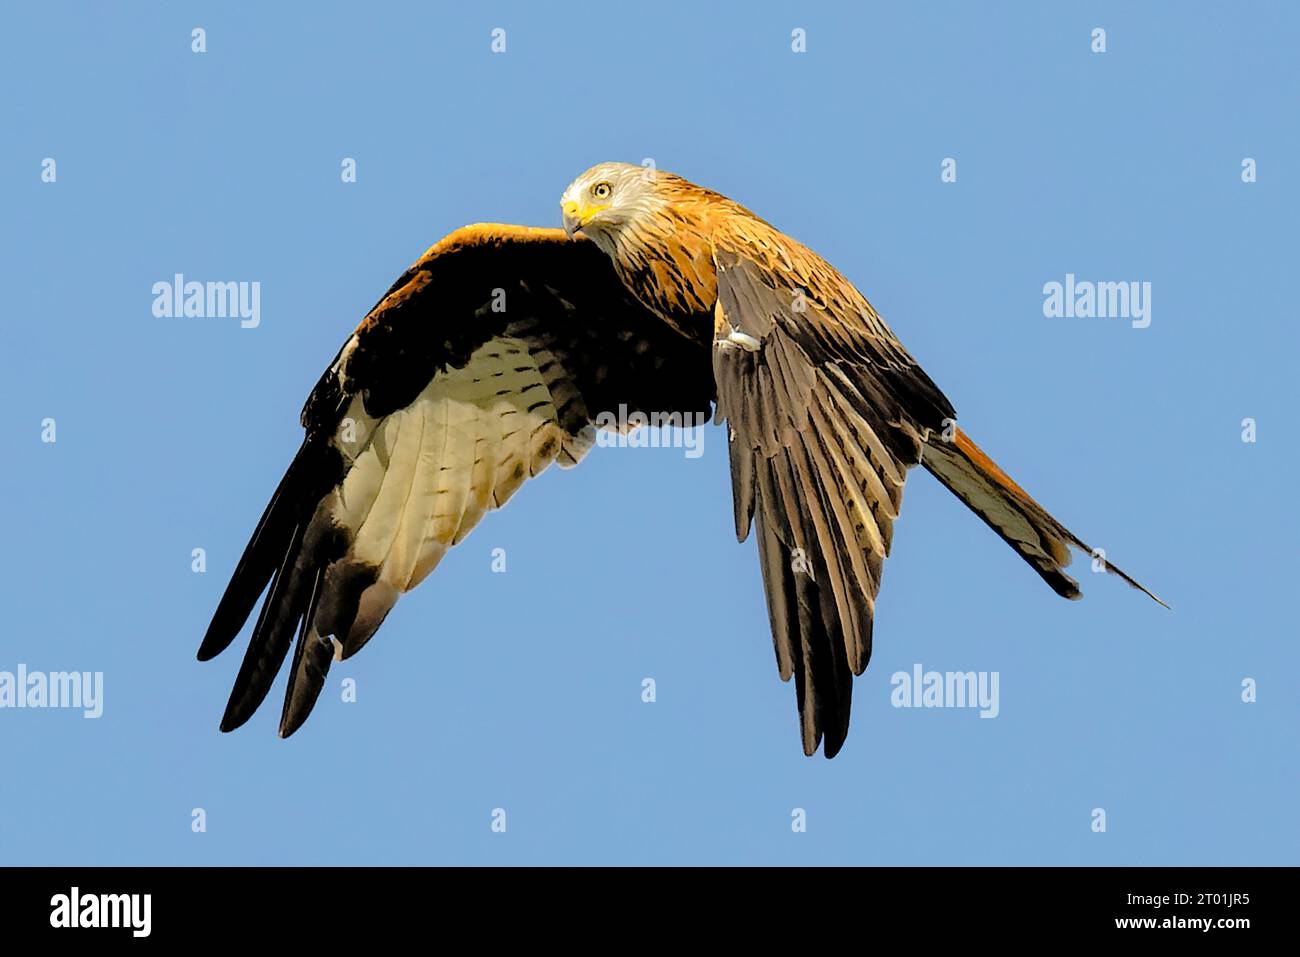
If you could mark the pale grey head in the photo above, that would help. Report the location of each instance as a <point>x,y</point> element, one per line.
<point>606,198</point>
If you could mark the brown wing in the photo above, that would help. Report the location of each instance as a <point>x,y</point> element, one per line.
<point>827,412</point>
<point>489,359</point>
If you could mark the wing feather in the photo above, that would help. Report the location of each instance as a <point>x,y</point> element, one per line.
<point>436,410</point>
<point>829,442</point>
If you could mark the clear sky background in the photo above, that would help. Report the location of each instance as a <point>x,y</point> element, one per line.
<point>522,690</point>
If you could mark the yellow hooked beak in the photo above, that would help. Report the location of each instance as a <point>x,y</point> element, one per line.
<point>576,215</point>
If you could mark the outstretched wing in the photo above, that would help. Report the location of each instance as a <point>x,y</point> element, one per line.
<point>489,359</point>
<point>826,413</point>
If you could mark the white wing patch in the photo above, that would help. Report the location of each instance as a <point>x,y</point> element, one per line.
<point>421,478</point>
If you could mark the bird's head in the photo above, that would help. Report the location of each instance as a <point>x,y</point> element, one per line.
<point>607,197</point>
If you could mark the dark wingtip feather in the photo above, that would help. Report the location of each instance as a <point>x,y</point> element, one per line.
<point>256,566</point>
<point>284,606</point>
<point>831,746</point>
<point>283,553</point>
<point>311,663</point>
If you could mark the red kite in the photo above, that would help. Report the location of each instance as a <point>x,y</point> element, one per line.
<point>495,354</point>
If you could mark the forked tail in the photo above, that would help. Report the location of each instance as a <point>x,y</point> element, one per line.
<point>1008,509</point>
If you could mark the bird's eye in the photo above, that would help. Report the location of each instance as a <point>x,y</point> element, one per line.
<point>601,191</point>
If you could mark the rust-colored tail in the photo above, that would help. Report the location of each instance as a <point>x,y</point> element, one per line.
<point>1009,510</point>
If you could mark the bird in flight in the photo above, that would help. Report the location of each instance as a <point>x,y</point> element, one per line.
<point>497,352</point>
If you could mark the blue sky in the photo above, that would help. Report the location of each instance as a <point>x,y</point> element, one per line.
<point>522,690</point>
